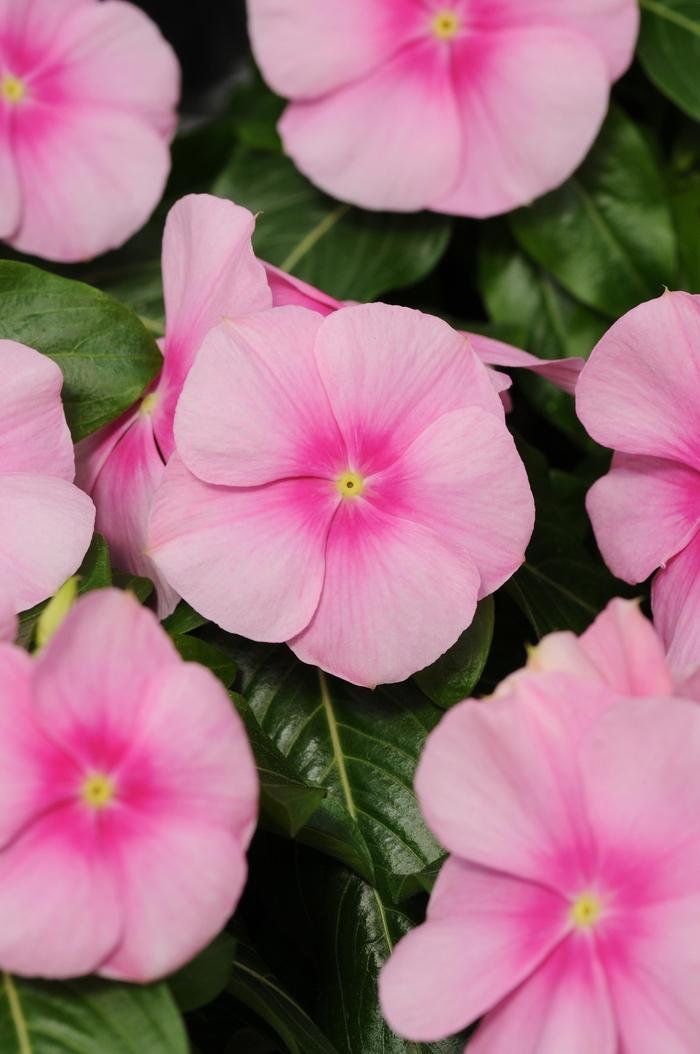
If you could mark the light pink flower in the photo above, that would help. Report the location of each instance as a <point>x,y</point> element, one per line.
<point>128,799</point>
<point>45,522</point>
<point>470,107</point>
<point>567,912</point>
<point>639,394</point>
<point>209,271</point>
<point>87,97</point>
<point>346,484</point>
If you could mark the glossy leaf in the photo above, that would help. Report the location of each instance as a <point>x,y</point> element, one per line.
<point>669,49</point>
<point>202,980</point>
<point>456,674</point>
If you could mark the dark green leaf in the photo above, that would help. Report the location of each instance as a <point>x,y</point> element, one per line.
<point>193,649</point>
<point>183,619</point>
<point>669,49</point>
<point>205,978</point>
<point>350,254</point>
<point>106,355</point>
<point>96,570</point>
<point>456,674</point>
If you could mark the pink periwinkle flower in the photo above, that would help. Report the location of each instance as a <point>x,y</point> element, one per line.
<point>128,799</point>
<point>346,484</point>
<point>639,394</point>
<point>46,523</point>
<point>567,912</point>
<point>471,107</point>
<point>88,90</point>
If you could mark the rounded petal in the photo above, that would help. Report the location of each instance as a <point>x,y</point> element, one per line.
<point>390,141</point>
<point>34,436</point>
<point>463,479</point>
<point>498,785</point>
<point>675,600</point>
<point>305,50</point>
<point>250,559</point>
<point>209,272</point>
<point>490,932</point>
<point>658,502</point>
<point>395,597</point>
<point>45,529</point>
<point>564,1006</point>
<point>89,182</point>
<point>531,102</point>
<point>627,651</point>
<point>564,373</point>
<point>287,290</point>
<point>254,408</point>
<point>640,389</point>
<point>390,372</point>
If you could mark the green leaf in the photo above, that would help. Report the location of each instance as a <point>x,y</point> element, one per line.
<point>96,569</point>
<point>87,1017</point>
<point>258,989</point>
<point>669,50</point>
<point>607,233</point>
<point>106,355</point>
<point>183,619</point>
<point>456,674</point>
<point>350,254</point>
<point>206,976</point>
<point>192,649</point>
<point>361,746</point>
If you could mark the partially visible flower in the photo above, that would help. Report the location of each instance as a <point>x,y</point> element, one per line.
<point>46,523</point>
<point>128,797</point>
<point>209,272</point>
<point>88,92</point>
<point>639,394</point>
<point>567,912</point>
<point>346,484</point>
<point>471,107</point>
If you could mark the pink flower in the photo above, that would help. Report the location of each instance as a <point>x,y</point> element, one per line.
<point>346,484</point>
<point>567,912</point>
<point>45,522</point>
<point>639,394</point>
<point>87,97</point>
<point>129,797</point>
<point>470,107</point>
<point>209,271</point>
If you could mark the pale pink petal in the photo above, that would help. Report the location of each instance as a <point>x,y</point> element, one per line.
<point>88,182</point>
<point>381,617</point>
<point>675,600</point>
<point>508,98</point>
<point>38,22</point>
<point>305,50</point>
<point>114,57</point>
<point>123,495</point>
<point>93,452</point>
<point>254,408</point>
<point>463,478</point>
<point>485,934</point>
<point>250,558</point>
<point>389,141</point>
<point>34,436</point>
<point>627,652</point>
<point>209,272</point>
<point>562,372</point>
<point>286,290</point>
<point>9,624</point>
<point>60,904</point>
<point>563,1008</point>
<point>412,368</point>
<point>11,197</point>
<point>84,662</point>
<point>45,529</point>
<point>657,501</point>
<point>497,781</point>
<point>179,883</point>
<point>640,389</point>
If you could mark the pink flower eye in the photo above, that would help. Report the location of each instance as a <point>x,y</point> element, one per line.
<point>586,911</point>
<point>98,791</point>
<point>350,484</point>
<point>12,89</point>
<point>446,25</point>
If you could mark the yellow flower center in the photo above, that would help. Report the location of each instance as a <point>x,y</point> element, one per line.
<point>12,89</point>
<point>97,791</point>
<point>149,403</point>
<point>586,911</point>
<point>350,484</point>
<point>446,24</point>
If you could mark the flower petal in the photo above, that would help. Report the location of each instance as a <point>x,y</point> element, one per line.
<point>250,559</point>
<point>562,372</point>
<point>254,408</point>
<point>11,197</point>
<point>287,290</point>
<point>675,600</point>
<point>627,651</point>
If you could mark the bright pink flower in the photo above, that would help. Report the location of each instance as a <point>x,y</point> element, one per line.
<point>87,97</point>
<point>470,107</point>
<point>346,484</point>
<point>128,799</point>
<point>567,912</point>
<point>209,271</point>
<point>639,394</point>
<point>45,522</point>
